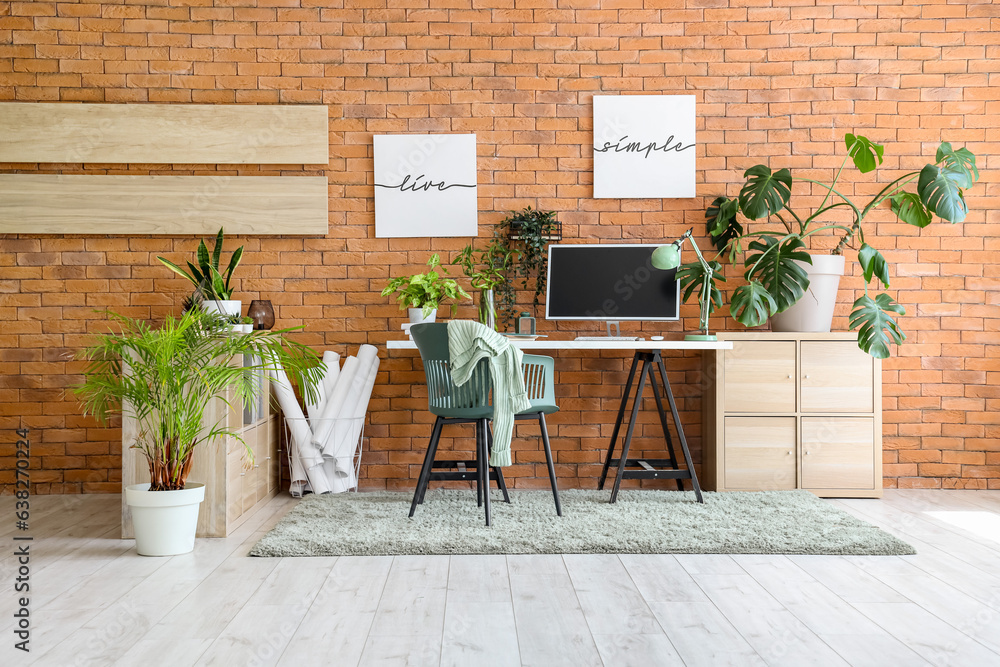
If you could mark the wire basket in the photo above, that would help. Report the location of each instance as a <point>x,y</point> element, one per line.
<point>324,455</point>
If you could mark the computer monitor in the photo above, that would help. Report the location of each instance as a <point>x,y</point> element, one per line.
<point>609,282</point>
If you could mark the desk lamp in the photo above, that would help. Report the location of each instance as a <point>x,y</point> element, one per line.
<point>668,257</point>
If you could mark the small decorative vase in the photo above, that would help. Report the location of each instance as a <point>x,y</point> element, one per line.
<point>417,315</point>
<point>487,309</point>
<point>262,313</point>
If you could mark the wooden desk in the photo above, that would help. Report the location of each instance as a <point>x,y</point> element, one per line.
<point>648,362</point>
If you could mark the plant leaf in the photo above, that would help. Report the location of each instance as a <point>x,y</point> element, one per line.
<point>866,155</point>
<point>217,250</point>
<point>960,163</point>
<point>908,208</point>
<point>692,277</point>
<point>875,325</point>
<point>195,273</point>
<point>765,193</point>
<point>873,264</point>
<point>234,261</point>
<point>176,269</point>
<point>773,263</point>
<point>752,304</point>
<point>721,221</point>
<point>941,194</point>
<point>203,260</point>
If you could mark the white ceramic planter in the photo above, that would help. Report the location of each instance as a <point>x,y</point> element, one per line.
<point>417,315</point>
<point>165,522</point>
<point>814,311</point>
<point>232,307</point>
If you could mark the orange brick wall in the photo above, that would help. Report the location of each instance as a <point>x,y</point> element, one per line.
<point>780,82</point>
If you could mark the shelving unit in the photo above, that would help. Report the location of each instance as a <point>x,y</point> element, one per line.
<point>793,410</point>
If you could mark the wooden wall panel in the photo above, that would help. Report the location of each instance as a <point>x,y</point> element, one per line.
<point>60,204</point>
<point>164,133</point>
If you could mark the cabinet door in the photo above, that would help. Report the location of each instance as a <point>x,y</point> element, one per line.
<point>234,479</point>
<point>760,453</point>
<point>838,453</point>
<point>273,457</point>
<point>250,435</point>
<point>760,376</point>
<point>836,377</point>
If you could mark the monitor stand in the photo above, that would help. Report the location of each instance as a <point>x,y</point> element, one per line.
<point>615,324</point>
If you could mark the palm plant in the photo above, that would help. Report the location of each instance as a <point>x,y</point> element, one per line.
<point>166,377</point>
<point>209,282</point>
<point>776,280</point>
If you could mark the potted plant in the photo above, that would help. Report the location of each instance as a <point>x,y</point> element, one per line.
<point>165,378</point>
<point>530,231</point>
<point>777,264</point>
<point>212,286</point>
<point>422,293</point>
<point>489,273</point>
<point>246,324</point>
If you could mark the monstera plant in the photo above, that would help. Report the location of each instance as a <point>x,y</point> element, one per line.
<point>773,259</point>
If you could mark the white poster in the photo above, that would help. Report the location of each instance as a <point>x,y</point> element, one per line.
<point>425,185</point>
<point>644,146</point>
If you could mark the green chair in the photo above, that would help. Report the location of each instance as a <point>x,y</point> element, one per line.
<point>470,404</point>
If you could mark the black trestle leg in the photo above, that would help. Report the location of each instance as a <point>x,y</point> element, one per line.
<point>636,402</point>
<point>666,429</point>
<point>618,422</point>
<point>680,429</point>
<point>548,461</point>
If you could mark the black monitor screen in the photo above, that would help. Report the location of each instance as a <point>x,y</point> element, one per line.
<point>609,282</point>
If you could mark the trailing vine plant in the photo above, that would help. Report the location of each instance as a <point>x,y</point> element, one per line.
<point>529,233</point>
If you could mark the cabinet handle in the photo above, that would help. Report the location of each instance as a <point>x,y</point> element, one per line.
<point>788,453</point>
<point>789,377</point>
<point>242,474</point>
<point>807,453</point>
<point>806,377</point>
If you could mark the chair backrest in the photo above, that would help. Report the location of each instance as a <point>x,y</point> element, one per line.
<point>443,397</point>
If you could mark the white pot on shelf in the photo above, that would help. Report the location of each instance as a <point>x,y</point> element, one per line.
<point>417,315</point>
<point>165,522</point>
<point>814,311</point>
<point>229,307</point>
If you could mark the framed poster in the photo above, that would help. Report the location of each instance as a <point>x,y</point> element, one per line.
<point>425,185</point>
<point>644,146</point>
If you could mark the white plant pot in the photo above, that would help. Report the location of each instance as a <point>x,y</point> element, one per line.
<point>232,307</point>
<point>165,522</point>
<point>417,315</point>
<point>246,328</point>
<point>814,311</point>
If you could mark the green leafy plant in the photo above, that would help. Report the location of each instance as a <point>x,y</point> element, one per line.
<point>489,270</point>
<point>529,231</point>
<point>166,377</point>
<point>209,282</point>
<point>246,319</point>
<point>776,280</point>
<point>426,290</point>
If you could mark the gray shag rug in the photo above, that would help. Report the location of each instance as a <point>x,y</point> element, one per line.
<point>641,522</point>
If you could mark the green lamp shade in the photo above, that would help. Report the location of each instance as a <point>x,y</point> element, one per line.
<point>667,257</point>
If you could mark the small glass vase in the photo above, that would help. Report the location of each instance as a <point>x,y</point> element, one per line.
<point>262,313</point>
<point>487,309</point>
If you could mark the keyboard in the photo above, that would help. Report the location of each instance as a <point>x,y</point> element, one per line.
<point>609,338</point>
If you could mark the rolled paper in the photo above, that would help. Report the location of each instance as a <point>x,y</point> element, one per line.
<point>332,362</point>
<point>302,452</point>
<point>367,359</point>
<point>354,425</point>
<point>348,383</point>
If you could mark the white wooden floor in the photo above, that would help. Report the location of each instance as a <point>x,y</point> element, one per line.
<point>94,602</point>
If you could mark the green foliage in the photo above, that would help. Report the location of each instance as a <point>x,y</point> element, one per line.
<point>765,193</point>
<point>771,262</point>
<point>939,192</point>
<point>866,155</point>
<point>209,282</point>
<point>752,304</point>
<point>529,232</point>
<point>490,271</point>
<point>873,264</point>
<point>723,227</point>
<point>425,290</point>
<point>692,277</point>
<point>165,378</point>
<point>875,325</point>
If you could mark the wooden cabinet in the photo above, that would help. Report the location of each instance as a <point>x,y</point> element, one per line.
<point>234,487</point>
<point>793,410</point>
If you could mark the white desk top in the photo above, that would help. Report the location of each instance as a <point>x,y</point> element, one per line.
<point>569,344</point>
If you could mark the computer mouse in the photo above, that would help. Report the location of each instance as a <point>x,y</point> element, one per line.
<point>656,338</point>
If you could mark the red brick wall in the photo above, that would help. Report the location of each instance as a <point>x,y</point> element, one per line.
<point>780,83</point>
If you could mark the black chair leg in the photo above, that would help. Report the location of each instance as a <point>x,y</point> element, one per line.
<point>484,466</point>
<point>479,466</point>
<point>501,482</point>
<point>548,461</point>
<point>425,470</point>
